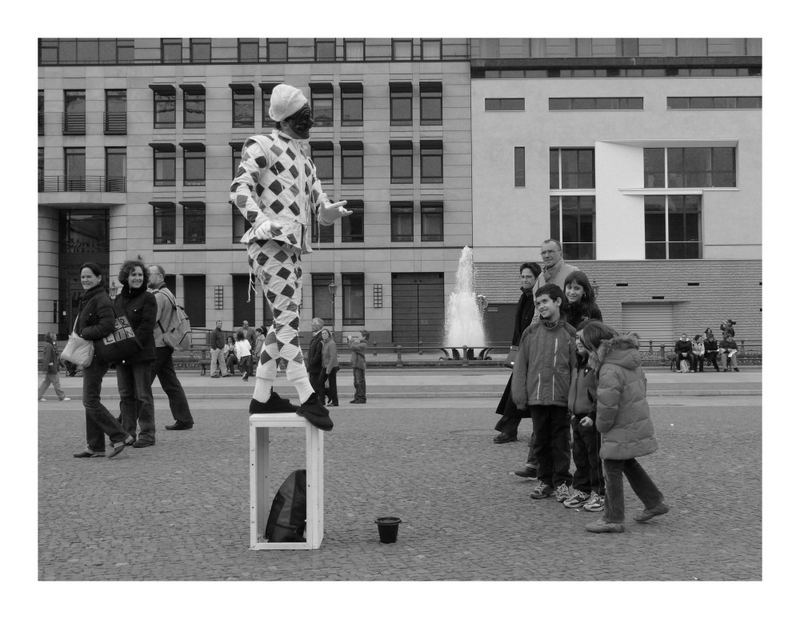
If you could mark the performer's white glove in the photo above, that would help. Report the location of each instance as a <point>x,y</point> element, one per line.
<point>328,213</point>
<point>267,230</point>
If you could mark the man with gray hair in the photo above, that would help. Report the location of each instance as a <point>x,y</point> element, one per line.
<point>277,191</point>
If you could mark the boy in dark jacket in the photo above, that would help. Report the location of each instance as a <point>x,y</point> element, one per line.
<point>541,382</point>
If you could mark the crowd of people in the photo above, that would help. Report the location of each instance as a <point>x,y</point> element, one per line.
<point>693,355</point>
<point>583,387</point>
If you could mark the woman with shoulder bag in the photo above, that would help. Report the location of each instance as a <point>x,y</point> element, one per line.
<point>134,382</point>
<point>95,321</point>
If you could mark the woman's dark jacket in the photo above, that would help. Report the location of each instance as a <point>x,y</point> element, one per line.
<point>524,314</point>
<point>576,313</point>
<point>141,308</point>
<point>95,314</point>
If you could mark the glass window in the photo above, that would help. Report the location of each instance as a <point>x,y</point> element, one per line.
<point>75,168</point>
<point>506,104</point>
<point>171,50</point>
<point>572,222</point>
<point>353,225</point>
<point>519,166</point>
<point>352,298</point>
<point>239,225</point>
<point>431,161</point>
<point>277,50</point>
<point>322,104</point>
<point>199,50</point>
<point>74,112</point>
<point>163,223</point>
<point>116,116</point>
<point>164,165</point>
<point>247,50</point>
<point>352,104</point>
<point>654,170</point>
<point>322,154</point>
<point>401,165</point>
<point>430,103</point>
<point>194,222</point>
<point>116,163</point>
<point>576,166</point>
<point>431,49</point>
<point>400,108</point>
<point>164,107</point>
<point>672,227</point>
<point>432,221</point>
<point>41,112</point>
<point>401,49</point>
<point>325,50</point>
<point>244,106</point>
<point>699,166</point>
<point>402,221</point>
<point>266,93</point>
<point>321,301</point>
<point>352,163</point>
<point>354,50</point>
<point>320,233</point>
<point>41,168</point>
<point>48,51</point>
<point>236,156</point>
<point>194,166</point>
<point>194,107</point>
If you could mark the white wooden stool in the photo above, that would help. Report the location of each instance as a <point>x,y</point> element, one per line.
<point>259,480</point>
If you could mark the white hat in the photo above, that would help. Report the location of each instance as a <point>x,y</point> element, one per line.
<point>284,101</point>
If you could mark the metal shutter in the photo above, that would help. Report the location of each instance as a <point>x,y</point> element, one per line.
<point>651,321</point>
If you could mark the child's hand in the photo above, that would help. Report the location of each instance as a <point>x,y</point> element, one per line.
<point>587,422</point>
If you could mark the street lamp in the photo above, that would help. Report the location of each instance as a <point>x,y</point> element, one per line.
<point>332,290</point>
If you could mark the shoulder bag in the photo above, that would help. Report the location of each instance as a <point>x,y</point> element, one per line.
<point>78,350</point>
<point>119,345</point>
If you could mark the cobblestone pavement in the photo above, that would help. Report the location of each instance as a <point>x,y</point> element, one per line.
<point>420,449</point>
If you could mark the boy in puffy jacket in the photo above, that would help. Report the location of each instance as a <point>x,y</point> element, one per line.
<point>540,382</point>
<point>623,420</point>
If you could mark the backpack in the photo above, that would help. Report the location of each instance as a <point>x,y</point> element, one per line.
<point>177,332</point>
<point>287,517</point>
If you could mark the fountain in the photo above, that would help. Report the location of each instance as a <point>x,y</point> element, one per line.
<point>464,320</point>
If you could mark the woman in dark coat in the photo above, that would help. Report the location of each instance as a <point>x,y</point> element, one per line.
<point>133,375</point>
<point>509,422</point>
<point>95,321</point>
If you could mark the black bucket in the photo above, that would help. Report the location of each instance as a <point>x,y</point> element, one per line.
<point>387,529</point>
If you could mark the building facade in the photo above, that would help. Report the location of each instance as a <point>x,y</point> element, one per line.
<point>641,156</point>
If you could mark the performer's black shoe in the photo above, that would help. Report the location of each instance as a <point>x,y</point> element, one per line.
<point>275,404</point>
<point>316,414</point>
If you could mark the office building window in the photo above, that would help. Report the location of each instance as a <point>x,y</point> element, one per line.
<point>571,168</point>
<point>353,225</point>
<point>116,163</point>
<point>171,50</point>
<point>321,301</point>
<point>243,97</point>
<point>194,222</point>
<point>322,104</point>
<point>325,50</point>
<point>75,168</point>
<point>352,163</point>
<point>519,166</point>
<point>672,227</point>
<point>430,103</point>
<point>431,49</point>
<point>115,120</point>
<point>320,233</point>
<point>713,103</point>
<point>402,221</point>
<point>401,49</point>
<point>194,106</point>
<point>322,155</point>
<point>239,224</point>
<point>352,104</point>
<point>266,93</point>
<point>705,166</point>
<point>247,50</point>
<point>431,161</point>
<point>74,112</point>
<point>277,50</point>
<point>572,222</point>
<point>401,164</point>
<point>194,164</point>
<point>163,106</point>
<point>596,103</point>
<point>163,165</point>
<point>41,168</point>
<point>352,298</point>
<point>194,299</point>
<point>354,50</point>
<point>503,105</point>
<point>432,221</point>
<point>41,112</point>
<point>236,157</point>
<point>199,51</point>
<point>163,223</point>
<point>400,108</point>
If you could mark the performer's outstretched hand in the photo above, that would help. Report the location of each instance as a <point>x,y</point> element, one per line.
<point>329,213</point>
<point>267,230</point>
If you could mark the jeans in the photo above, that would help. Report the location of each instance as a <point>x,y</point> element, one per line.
<point>551,444</point>
<point>588,476</point>
<point>51,379</point>
<point>134,382</point>
<point>711,357</point>
<point>217,362</point>
<point>641,483</point>
<point>99,422</point>
<point>331,391</point>
<point>360,385</point>
<point>698,361</point>
<point>165,370</point>
<point>244,365</point>
<point>230,364</point>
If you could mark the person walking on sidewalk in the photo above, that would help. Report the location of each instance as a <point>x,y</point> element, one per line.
<point>330,366</point>
<point>216,342</point>
<point>163,366</point>
<point>358,347</point>
<point>314,360</point>
<point>50,361</point>
<point>623,420</point>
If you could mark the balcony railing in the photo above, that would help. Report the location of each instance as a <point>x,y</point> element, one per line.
<point>74,124</point>
<point>115,123</point>
<point>50,184</point>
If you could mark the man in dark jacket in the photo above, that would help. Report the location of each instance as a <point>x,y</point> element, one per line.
<point>511,416</point>
<point>683,352</point>
<point>216,342</point>
<point>315,358</point>
<point>163,367</point>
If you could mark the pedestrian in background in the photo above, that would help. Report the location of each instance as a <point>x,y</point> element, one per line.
<point>243,352</point>
<point>229,352</point>
<point>261,335</point>
<point>358,347</point>
<point>314,359</point>
<point>330,366</point>
<point>50,362</point>
<point>216,343</point>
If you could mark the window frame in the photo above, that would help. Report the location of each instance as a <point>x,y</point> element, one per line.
<point>430,91</point>
<point>245,45</point>
<point>579,175</point>
<point>519,166</point>
<point>195,45</point>
<point>401,151</point>
<point>396,43</point>
<point>715,172</point>
<point>194,94</point>
<point>667,244</point>
<point>401,93</point>
<point>194,212</point>
<point>266,93</point>
<point>275,44</point>
<point>74,121</point>
<point>164,153</point>
<point>243,97</point>
<point>164,213</point>
<point>74,182</point>
<point>353,310</point>
<point>574,249</point>
<point>353,225</point>
<point>322,151</point>
<point>401,216</point>
<point>115,183</point>
<point>115,122</point>
<point>359,57</point>
<point>351,150</point>
<point>321,92</point>
<point>164,97</point>
<point>431,212</point>
<point>436,55</point>
<point>169,47</point>
<point>431,152</point>
<point>320,45</point>
<point>322,306</point>
<point>192,152</point>
<point>351,93</point>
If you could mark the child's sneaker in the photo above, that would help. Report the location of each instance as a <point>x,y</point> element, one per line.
<point>542,491</point>
<point>563,492</point>
<point>578,499</point>
<point>596,503</point>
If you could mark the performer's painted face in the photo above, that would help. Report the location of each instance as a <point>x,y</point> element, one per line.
<point>301,121</point>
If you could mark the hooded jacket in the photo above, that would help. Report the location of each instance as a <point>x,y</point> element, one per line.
<point>623,414</point>
<point>583,391</point>
<point>544,363</point>
<point>140,307</point>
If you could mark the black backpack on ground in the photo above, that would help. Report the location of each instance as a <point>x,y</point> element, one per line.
<point>287,517</point>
